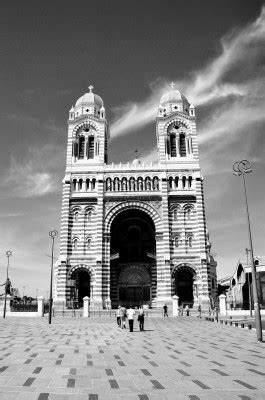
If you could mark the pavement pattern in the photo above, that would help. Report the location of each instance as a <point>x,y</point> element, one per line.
<point>93,359</point>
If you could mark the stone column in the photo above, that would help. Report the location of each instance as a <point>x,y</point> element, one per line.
<point>222,304</point>
<point>175,304</point>
<point>40,306</point>
<point>86,307</point>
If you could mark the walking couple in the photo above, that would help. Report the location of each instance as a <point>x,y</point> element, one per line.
<point>122,314</point>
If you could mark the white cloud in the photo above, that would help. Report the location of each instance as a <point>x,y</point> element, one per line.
<point>35,176</point>
<point>231,75</point>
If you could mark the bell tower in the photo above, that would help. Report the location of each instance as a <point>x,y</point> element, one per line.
<point>88,133</point>
<point>176,130</point>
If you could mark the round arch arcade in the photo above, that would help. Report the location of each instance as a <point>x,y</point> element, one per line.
<point>79,281</point>
<point>132,258</point>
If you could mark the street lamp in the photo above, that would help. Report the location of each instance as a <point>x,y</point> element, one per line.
<point>53,235</point>
<point>8,254</point>
<point>241,168</point>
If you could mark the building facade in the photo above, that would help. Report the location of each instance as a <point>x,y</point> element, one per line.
<point>134,233</point>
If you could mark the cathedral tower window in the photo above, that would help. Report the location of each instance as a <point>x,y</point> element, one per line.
<point>74,184</point>
<point>93,184</point>
<point>82,143</point>
<point>90,147</point>
<point>87,184</point>
<point>184,182</point>
<point>182,145</point>
<point>189,181</point>
<point>177,240</point>
<point>76,216</point>
<point>173,147</point>
<point>170,182</point>
<point>80,184</point>
<point>176,182</point>
<point>88,244</point>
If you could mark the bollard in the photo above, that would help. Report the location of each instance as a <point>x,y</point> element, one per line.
<point>236,324</point>
<point>242,325</point>
<point>225,322</point>
<point>231,323</point>
<point>249,326</point>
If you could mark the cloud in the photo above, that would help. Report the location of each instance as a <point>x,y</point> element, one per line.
<point>235,78</point>
<point>35,176</point>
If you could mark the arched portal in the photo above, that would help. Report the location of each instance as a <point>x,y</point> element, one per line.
<point>133,265</point>
<point>80,287</point>
<point>183,282</point>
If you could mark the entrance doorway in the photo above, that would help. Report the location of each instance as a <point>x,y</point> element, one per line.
<point>184,284</point>
<point>133,265</point>
<point>81,288</point>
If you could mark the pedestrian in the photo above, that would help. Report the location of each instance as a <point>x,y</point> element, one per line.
<point>165,310</point>
<point>131,314</point>
<point>123,317</point>
<point>187,309</point>
<point>118,315</point>
<point>141,318</point>
<point>199,311</point>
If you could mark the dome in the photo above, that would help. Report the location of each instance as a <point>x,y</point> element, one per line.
<point>172,96</point>
<point>90,98</point>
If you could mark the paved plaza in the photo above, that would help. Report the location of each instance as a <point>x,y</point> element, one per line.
<point>78,359</point>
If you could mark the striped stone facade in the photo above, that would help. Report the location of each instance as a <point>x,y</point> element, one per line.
<point>163,202</point>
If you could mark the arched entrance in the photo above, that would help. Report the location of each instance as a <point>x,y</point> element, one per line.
<point>80,280</point>
<point>183,282</point>
<point>133,266</point>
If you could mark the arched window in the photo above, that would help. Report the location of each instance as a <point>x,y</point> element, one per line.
<point>74,184</point>
<point>177,240</point>
<point>182,145</point>
<point>87,184</point>
<point>90,147</point>
<point>93,184</point>
<point>184,182</point>
<point>75,243</point>
<point>188,211</point>
<point>88,244</point>
<point>176,213</point>
<point>189,181</point>
<point>170,180</point>
<point>80,183</point>
<point>189,240</point>
<point>173,148</point>
<point>82,143</point>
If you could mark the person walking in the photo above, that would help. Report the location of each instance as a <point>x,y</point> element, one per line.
<point>131,314</point>
<point>199,311</point>
<point>165,310</point>
<point>187,309</point>
<point>123,317</point>
<point>141,318</point>
<point>118,315</point>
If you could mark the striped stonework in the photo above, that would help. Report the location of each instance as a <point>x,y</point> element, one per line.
<point>134,232</point>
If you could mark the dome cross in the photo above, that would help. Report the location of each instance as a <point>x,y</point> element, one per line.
<point>90,88</point>
<point>172,85</point>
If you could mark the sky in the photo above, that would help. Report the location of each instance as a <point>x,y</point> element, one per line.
<point>214,51</point>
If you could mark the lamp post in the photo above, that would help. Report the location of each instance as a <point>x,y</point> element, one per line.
<point>241,168</point>
<point>53,235</point>
<point>249,288</point>
<point>8,254</point>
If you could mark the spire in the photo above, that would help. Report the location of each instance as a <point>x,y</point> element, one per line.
<point>90,88</point>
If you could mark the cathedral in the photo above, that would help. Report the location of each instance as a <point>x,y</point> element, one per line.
<point>134,233</point>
